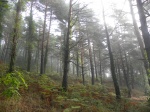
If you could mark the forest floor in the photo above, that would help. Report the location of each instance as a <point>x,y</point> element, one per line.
<point>44,94</point>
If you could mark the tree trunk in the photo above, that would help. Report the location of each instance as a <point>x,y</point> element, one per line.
<point>73,66</point>
<point>82,62</point>
<point>91,61</point>
<point>119,73</point>
<point>116,85</point>
<point>100,68</point>
<point>127,76</point>
<point>139,38</point>
<point>30,38</point>
<point>67,52</point>
<point>51,63</point>
<point>77,59</point>
<point>132,76</point>
<point>144,28</point>
<point>43,39</point>
<point>60,57</point>
<point>37,56</point>
<point>15,37</point>
<point>95,64</point>
<point>47,44</point>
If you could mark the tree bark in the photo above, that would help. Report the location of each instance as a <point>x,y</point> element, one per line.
<point>82,62</point>
<point>77,61</point>
<point>15,37</point>
<point>127,76</point>
<point>47,44</point>
<point>119,73</point>
<point>43,39</point>
<point>140,41</point>
<point>144,28</point>
<point>67,52</point>
<point>100,68</point>
<point>30,38</point>
<point>116,85</point>
<point>95,64</point>
<point>91,61</point>
<point>132,76</point>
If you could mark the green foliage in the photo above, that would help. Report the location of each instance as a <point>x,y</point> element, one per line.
<point>148,100</point>
<point>72,108</point>
<point>46,83</point>
<point>3,69</point>
<point>3,5</point>
<point>44,79</point>
<point>12,82</point>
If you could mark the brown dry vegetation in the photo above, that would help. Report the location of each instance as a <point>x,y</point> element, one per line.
<point>44,94</point>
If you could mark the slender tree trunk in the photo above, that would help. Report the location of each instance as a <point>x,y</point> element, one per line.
<point>116,85</point>
<point>51,63</point>
<point>30,38</point>
<point>60,69</point>
<point>100,72</point>
<point>37,56</point>
<point>47,44</point>
<point>77,66</point>
<point>73,66</point>
<point>8,51</point>
<point>132,76</point>
<point>100,68</point>
<point>15,37</point>
<point>119,73</point>
<point>67,52</point>
<point>144,28</point>
<point>57,64</point>
<point>82,62</point>
<point>127,76</point>
<point>60,58</point>
<point>43,39</point>
<point>77,56</point>
<point>91,61</point>
<point>95,64</point>
<point>116,70</point>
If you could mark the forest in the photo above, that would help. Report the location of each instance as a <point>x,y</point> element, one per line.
<point>74,56</point>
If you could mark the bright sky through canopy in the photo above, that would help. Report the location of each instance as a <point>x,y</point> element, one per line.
<point>109,5</point>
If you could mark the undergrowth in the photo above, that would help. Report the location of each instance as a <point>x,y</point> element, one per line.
<point>44,94</point>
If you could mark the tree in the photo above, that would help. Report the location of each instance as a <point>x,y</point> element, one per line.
<point>91,60</point>
<point>47,44</point>
<point>140,41</point>
<point>144,28</point>
<point>95,62</point>
<point>15,36</point>
<point>125,71</point>
<point>82,62</point>
<point>30,37</point>
<point>43,39</point>
<point>67,52</point>
<point>116,85</point>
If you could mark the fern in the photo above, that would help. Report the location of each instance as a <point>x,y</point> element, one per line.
<point>12,82</point>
